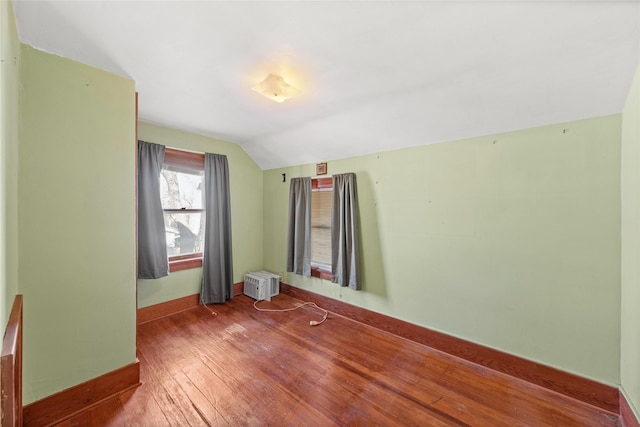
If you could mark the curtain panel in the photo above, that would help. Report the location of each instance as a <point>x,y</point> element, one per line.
<point>345,232</point>
<point>152,245</point>
<point>217,261</point>
<point>299,236</point>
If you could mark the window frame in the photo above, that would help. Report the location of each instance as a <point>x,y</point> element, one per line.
<point>184,161</point>
<point>321,271</point>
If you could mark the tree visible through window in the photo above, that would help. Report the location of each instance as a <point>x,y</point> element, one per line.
<point>182,194</point>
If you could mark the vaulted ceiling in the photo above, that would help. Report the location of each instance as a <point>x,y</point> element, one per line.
<point>374,76</point>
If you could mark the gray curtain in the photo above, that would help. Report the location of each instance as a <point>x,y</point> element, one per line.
<point>152,243</point>
<point>217,261</point>
<point>299,239</point>
<point>345,232</point>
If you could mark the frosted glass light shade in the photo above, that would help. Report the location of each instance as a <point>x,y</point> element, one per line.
<point>274,87</point>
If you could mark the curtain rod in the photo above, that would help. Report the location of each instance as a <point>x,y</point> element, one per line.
<point>284,177</point>
<point>313,177</point>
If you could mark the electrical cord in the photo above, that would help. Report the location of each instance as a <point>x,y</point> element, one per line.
<point>208,309</point>
<point>311,304</point>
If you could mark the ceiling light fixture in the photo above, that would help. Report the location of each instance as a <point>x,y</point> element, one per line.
<point>274,87</point>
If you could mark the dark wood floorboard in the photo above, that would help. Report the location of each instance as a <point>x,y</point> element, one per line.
<point>241,367</point>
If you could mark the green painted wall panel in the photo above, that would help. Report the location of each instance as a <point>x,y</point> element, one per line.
<point>511,240</point>
<point>245,179</point>
<point>76,196</point>
<point>9,83</point>
<point>630,318</point>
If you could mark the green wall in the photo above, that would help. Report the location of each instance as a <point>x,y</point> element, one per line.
<point>245,179</point>
<point>9,82</point>
<point>76,199</point>
<point>630,320</point>
<point>511,240</point>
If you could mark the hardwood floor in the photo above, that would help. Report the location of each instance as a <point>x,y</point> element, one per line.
<point>244,367</point>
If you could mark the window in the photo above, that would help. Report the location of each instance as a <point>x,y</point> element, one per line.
<point>182,195</point>
<point>321,201</point>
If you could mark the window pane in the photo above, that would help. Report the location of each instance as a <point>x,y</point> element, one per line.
<point>321,226</point>
<point>321,245</point>
<point>180,190</point>
<point>185,232</point>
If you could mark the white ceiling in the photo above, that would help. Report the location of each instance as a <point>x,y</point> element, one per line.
<point>374,76</point>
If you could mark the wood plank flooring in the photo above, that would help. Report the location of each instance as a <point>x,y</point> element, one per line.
<point>242,367</point>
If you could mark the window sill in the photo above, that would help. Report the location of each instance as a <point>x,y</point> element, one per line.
<point>321,272</point>
<point>185,262</point>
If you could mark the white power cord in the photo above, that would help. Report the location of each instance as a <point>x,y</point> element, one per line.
<point>312,304</point>
<point>208,309</point>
